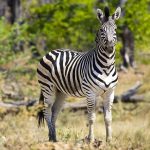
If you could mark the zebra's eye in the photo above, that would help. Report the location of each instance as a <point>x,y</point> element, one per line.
<point>101,30</point>
<point>102,33</point>
<point>114,39</point>
<point>114,34</point>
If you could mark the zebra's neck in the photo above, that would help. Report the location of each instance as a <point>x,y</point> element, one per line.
<point>98,60</point>
<point>105,62</point>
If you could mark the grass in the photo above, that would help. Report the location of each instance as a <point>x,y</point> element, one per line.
<point>131,122</point>
<point>131,130</point>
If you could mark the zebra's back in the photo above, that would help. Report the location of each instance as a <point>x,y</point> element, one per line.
<point>59,69</point>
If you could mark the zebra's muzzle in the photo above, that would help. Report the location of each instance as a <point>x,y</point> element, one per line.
<point>109,49</point>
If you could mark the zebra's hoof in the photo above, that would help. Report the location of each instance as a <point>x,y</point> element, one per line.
<point>88,140</point>
<point>109,139</point>
<point>51,139</point>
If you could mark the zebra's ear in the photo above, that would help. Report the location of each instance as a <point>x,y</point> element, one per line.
<point>117,14</point>
<point>100,14</point>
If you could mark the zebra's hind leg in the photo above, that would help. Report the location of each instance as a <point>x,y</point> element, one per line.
<point>59,101</point>
<point>49,101</point>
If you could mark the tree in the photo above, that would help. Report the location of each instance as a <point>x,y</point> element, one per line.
<point>65,24</point>
<point>127,50</point>
<point>134,24</point>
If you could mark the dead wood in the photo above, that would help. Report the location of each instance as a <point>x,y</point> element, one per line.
<point>128,96</point>
<point>12,90</point>
<point>16,104</point>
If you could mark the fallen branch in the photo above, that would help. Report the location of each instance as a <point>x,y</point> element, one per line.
<point>133,90</point>
<point>16,104</point>
<point>130,95</point>
<point>13,96</point>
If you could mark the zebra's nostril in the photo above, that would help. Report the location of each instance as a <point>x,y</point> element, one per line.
<point>110,49</point>
<point>110,44</point>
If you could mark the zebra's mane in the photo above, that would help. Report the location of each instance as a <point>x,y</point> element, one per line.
<point>107,13</point>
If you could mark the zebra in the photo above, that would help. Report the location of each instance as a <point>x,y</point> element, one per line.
<point>89,74</point>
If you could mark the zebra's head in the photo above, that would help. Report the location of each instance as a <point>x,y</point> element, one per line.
<point>106,35</point>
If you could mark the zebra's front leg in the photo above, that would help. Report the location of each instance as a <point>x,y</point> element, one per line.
<point>91,117</point>
<point>108,102</point>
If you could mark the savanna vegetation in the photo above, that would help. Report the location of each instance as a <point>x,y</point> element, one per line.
<point>41,26</point>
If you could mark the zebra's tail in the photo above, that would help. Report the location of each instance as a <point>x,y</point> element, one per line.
<point>40,113</point>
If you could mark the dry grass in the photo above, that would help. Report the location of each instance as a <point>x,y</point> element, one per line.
<point>128,79</point>
<point>131,130</point>
<point>131,122</point>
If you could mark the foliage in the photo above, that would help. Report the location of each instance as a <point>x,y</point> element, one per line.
<point>11,38</point>
<point>68,24</point>
<point>5,45</point>
<point>65,24</point>
<point>73,24</point>
<point>137,16</point>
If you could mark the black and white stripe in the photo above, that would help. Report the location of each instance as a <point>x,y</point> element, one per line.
<point>86,74</point>
<point>68,70</point>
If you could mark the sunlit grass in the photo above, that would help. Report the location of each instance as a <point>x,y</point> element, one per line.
<point>131,130</point>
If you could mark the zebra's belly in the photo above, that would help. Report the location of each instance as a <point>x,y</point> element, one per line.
<point>74,92</point>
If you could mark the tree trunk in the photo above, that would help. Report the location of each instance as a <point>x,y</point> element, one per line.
<point>3,5</point>
<point>15,9</point>
<point>122,2</point>
<point>11,9</point>
<point>127,52</point>
<point>46,1</point>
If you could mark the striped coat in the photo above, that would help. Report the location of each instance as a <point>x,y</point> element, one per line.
<point>64,72</point>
